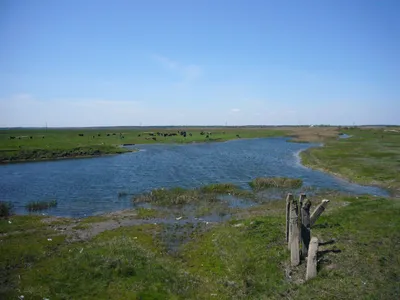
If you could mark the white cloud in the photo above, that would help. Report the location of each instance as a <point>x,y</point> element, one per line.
<point>188,72</point>
<point>235,110</point>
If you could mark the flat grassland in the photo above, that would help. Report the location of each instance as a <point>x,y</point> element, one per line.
<point>116,256</point>
<point>38,144</point>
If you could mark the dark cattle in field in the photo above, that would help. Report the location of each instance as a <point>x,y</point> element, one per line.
<point>173,134</point>
<point>12,137</point>
<point>207,136</point>
<point>122,137</point>
<point>108,134</point>
<point>42,137</point>
<point>31,137</point>
<point>92,136</point>
<point>154,138</point>
<point>113,133</point>
<point>81,134</point>
<point>238,136</point>
<point>99,134</point>
<point>139,135</point>
<point>190,134</point>
<point>202,133</point>
<point>151,134</point>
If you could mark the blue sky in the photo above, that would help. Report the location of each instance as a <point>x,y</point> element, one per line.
<point>89,63</point>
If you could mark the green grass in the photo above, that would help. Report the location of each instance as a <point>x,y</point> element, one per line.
<point>40,205</point>
<point>245,258</point>
<point>262,183</point>
<point>180,196</point>
<point>42,144</point>
<point>368,157</point>
<point>147,213</point>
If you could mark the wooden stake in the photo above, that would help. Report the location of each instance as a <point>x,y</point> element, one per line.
<point>289,198</point>
<point>294,234</point>
<point>312,259</point>
<point>305,228</point>
<point>318,211</point>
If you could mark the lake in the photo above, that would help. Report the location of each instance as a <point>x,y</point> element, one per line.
<point>84,187</point>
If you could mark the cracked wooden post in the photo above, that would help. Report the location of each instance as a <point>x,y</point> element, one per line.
<point>294,237</point>
<point>288,200</point>
<point>312,259</point>
<point>318,211</point>
<point>305,228</point>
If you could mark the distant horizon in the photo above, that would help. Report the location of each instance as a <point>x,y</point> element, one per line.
<point>194,126</point>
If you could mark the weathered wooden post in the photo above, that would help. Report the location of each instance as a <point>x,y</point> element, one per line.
<point>302,198</point>
<point>312,259</point>
<point>305,228</point>
<point>294,237</point>
<point>318,211</point>
<point>289,198</point>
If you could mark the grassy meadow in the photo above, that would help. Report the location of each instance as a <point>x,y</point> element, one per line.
<point>39,144</point>
<point>137,254</point>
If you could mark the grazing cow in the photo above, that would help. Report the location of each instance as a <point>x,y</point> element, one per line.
<point>207,136</point>
<point>122,137</point>
<point>12,137</point>
<point>42,137</point>
<point>31,137</point>
<point>139,135</point>
<point>108,134</point>
<point>151,134</point>
<point>99,134</point>
<point>92,136</point>
<point>113,133</point>
<point>238,136</point>
<point>202,133</point>
<point>81,134</point>
<point>190,134</point>
<point>154,138</point>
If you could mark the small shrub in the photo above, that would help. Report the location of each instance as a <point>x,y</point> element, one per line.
<point>40,205</point>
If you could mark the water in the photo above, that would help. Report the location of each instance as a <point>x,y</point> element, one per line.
<point>85,187</point>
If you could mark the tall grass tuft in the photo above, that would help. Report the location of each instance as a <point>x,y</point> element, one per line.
<point>261,183</point>
<point>5,209</point>
<point>40,205</point>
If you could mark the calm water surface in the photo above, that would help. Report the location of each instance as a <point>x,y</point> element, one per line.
<point>91,186</point>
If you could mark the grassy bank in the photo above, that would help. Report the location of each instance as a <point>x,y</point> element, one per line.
<point>263,183</point>
<point>41,144</point>
<point>370,156</point>
<point>245,258</point>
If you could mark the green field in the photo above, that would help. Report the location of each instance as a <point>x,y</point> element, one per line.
<point>370,156</point>
<point>39,144</point>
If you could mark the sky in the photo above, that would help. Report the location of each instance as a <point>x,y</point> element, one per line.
<point>210,62</point>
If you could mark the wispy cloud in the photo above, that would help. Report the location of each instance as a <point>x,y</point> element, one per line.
<point>188,72</point>
<point>235,110</point>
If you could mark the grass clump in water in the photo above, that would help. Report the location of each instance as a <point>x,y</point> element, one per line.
<point>261,183</point>
<point>40,205</point>
<point>5,209</point>
<point>174,196</point>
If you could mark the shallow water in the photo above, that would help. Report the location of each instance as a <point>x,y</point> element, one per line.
<point>91,186</point>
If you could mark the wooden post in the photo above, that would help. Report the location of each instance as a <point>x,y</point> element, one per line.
<point>302,198</point>
<point>289,198</point>
<point>305,228</point>
<point>294,234</point>
<point>312,259</point>
<point>318,211</point>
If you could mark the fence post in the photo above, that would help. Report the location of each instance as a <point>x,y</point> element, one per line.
<point>305,228</point>
<point>318,211</point>
<point>312,259</point>
<point>294,234</point>
<point>288,200</point>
